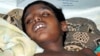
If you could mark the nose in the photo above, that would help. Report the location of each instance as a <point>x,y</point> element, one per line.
<point>37,18</point>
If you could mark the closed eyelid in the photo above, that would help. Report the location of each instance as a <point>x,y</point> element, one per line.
<point>45,14</point>
<point>48,12</point>
<point>29,21</point>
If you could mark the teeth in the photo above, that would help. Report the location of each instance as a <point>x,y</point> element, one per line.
<point>37,27</point>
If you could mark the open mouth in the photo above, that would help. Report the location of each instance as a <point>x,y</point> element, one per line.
<point>38,26</point>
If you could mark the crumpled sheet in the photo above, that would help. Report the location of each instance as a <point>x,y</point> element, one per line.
<point>14,42</point>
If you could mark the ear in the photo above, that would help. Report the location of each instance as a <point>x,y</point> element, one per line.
<point>64,26</point>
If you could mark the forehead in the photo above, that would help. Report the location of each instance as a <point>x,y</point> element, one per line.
<point>39,6</point>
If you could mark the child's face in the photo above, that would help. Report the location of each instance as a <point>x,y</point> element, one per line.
<point>41,24</point>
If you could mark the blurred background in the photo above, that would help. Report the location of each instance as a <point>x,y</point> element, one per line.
<point>71,8</point>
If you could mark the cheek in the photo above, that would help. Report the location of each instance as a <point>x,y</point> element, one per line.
<point>31,36</point>
<point>29,32</point>
<point>55,27</point>
<point>54,32</point>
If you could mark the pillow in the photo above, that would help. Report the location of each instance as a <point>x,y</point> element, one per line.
<point>14,17</point>
<point>81,33</point>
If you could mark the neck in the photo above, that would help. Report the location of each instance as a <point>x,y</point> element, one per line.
<point>53,46</point>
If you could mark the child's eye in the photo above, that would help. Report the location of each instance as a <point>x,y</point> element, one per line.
<point>29,21</point>
<point>45,14</point>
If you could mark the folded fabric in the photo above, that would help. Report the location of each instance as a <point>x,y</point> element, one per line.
<point>14,42</point>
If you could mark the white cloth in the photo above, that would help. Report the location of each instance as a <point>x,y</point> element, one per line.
<point>14,42</point>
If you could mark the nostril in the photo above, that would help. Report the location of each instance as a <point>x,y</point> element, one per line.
<point>37,19</point>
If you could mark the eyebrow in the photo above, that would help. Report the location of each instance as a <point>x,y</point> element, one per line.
<point>46,8</point>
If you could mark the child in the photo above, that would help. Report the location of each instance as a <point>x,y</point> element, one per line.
<point>45,24</point>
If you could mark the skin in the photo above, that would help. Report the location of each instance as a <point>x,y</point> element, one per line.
<point>49,36</point>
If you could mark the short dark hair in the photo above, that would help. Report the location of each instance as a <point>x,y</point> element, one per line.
<point>58,12</point>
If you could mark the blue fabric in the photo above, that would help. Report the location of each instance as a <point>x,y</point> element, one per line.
<point>97,49</point>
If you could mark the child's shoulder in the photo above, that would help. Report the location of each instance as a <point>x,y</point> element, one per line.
<point>88,52</point>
